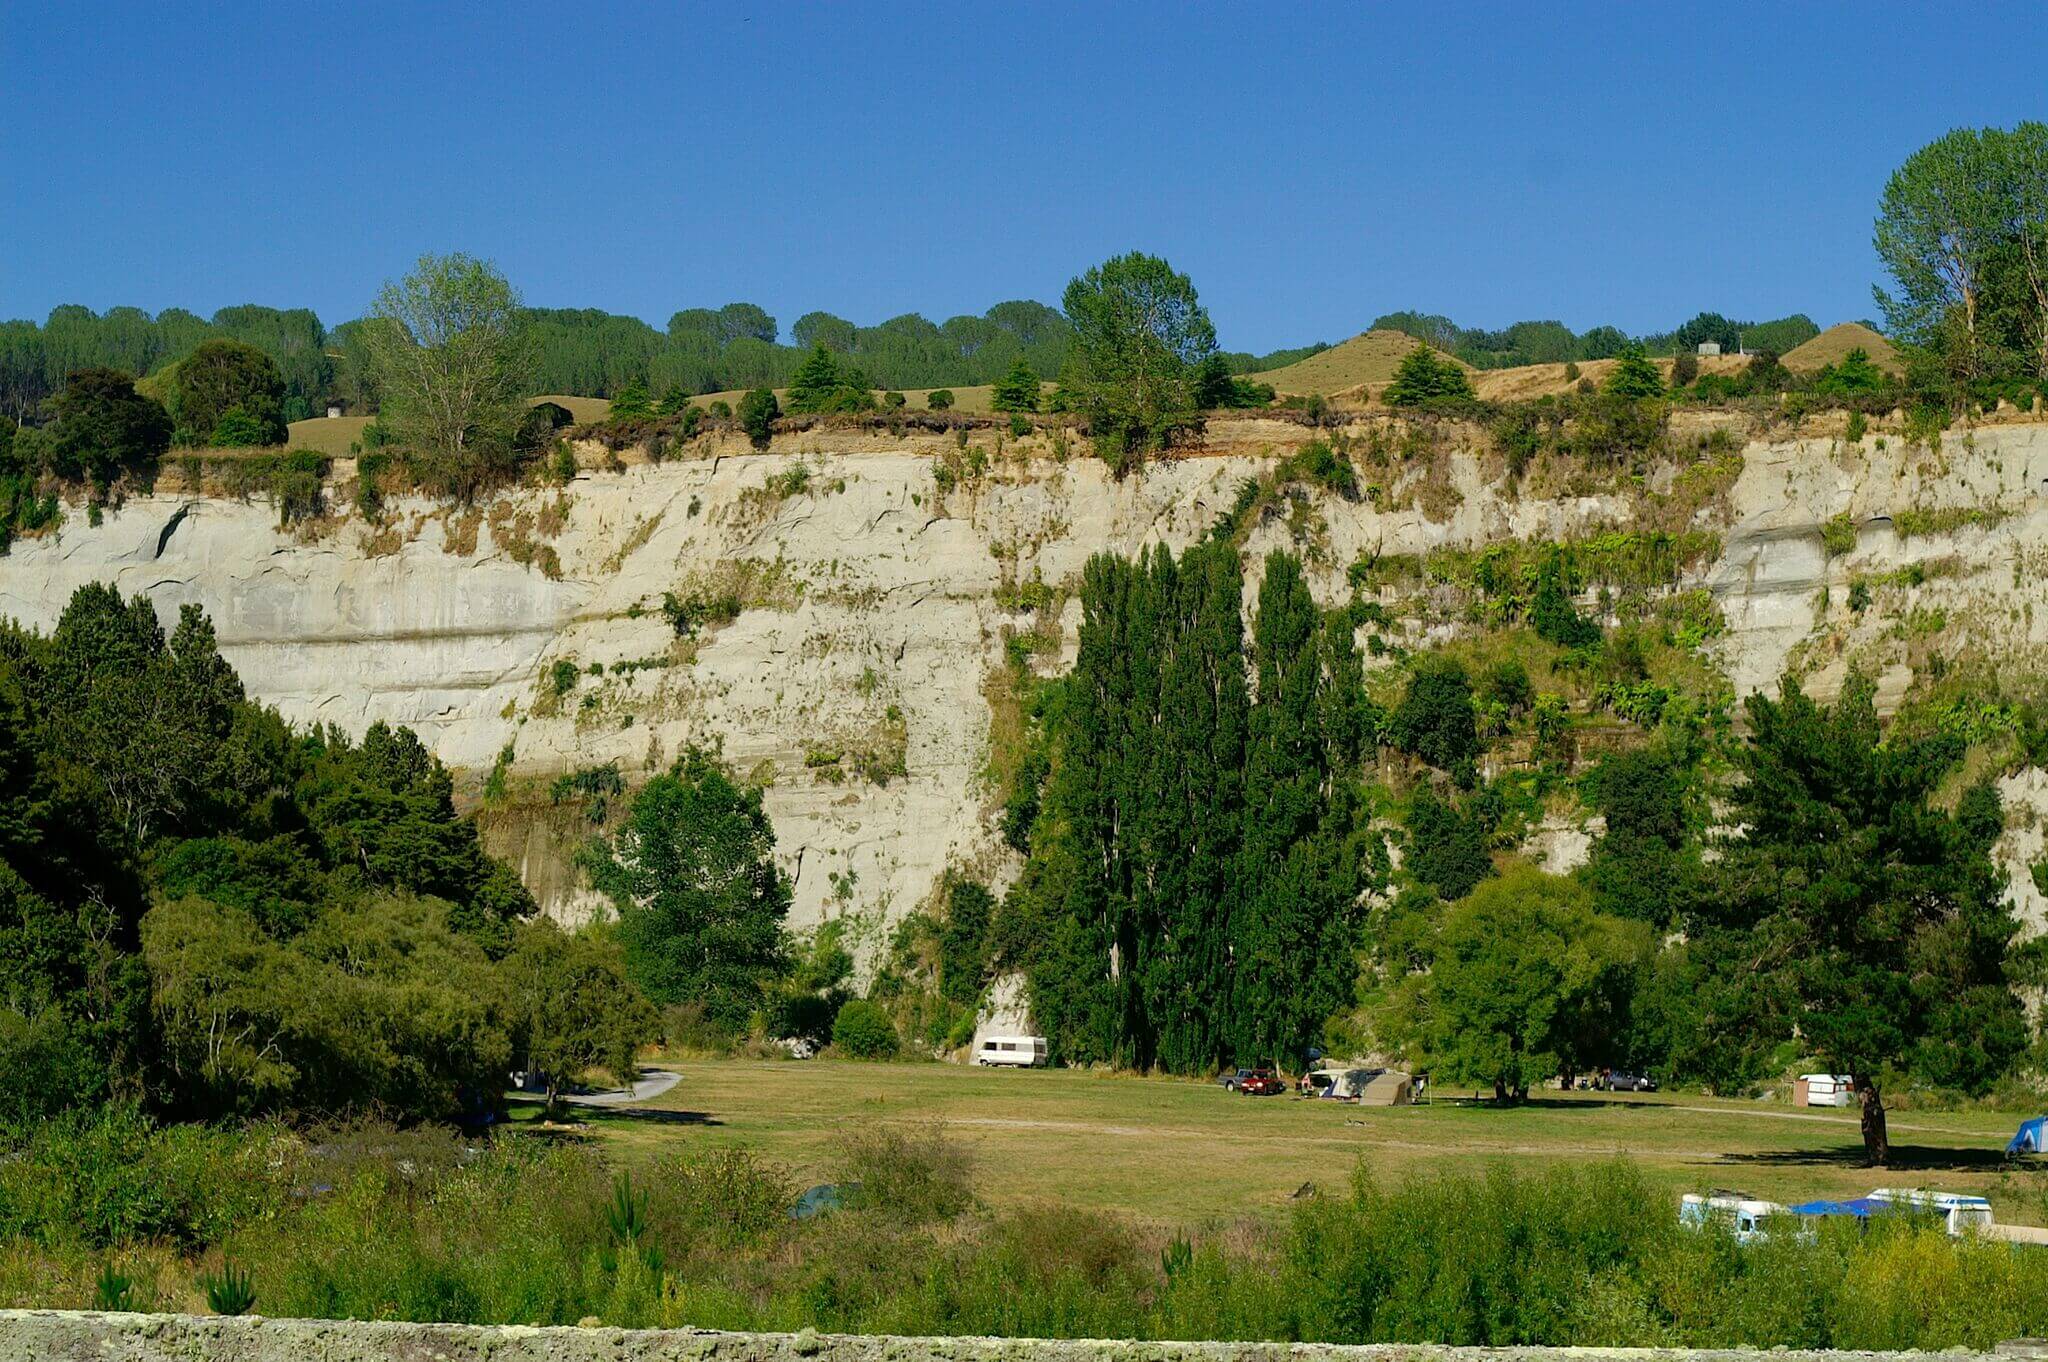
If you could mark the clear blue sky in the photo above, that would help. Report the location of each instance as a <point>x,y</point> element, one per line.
<point>1311,166</point>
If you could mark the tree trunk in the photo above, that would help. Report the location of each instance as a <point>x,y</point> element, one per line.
<point>1500,1091</point>
<point>1877,1145</point>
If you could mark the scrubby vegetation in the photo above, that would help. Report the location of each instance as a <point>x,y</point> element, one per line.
<point>367,1222</point>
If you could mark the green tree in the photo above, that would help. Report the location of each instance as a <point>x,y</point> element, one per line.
<point>700,900</point>
<point>1447,846</point>
<point>1855,376</point>
<point>822,328</point>
<point>101,428</point>
<point>1643,866</point>
<point>1425,376</point>
<point>758,410</point>
<point>1551,612</point>
<point>1526,981</point>
<point>571,1008</point>
<point>1140,337</point>
<point>1435,719</point>
<point>939,399</point>
<point>632,401</point>
<point>816,382</point>
<point>1854,912</point>
<point>451,356</point>
<point>1708,326</point>
<point>1017,391</point>
<point>222,377</point>
<point>1634,376</point>
<point>1943,214</point>
<point>862,1030</point>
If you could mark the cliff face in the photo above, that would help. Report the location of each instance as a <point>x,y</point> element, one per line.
<point>874,592</point>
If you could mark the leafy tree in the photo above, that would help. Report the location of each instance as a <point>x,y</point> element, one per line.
<point>758,410</point>
<point>1855,376</point>
<point>1525,981</point>
<point>940,399</point>
<point>1643,866</point>
<point>1852,911</point>
<point>1708,326</point>
<point>451,355</point>
<point>101,428</point>
<point>1018,390</point>
<point>222,378</point>
<point>1602,342</point>
<point>571,1008</point>
<point>1942,215</point>
<point>862,1030</point>
<point>1424,376</point>
<point>1634,376</point>
<point>700,900</point>
<point>1435,719</point>
<point>1447,847</point>
<point>822,328</point>
<point>1141,335</point>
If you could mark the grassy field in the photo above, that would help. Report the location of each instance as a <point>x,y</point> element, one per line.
<point>1188,1153</point>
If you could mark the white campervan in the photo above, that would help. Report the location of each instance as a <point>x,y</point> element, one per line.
<point>1017,1052</point>
<point>1959,1213</point>
<point>1747,1217</point>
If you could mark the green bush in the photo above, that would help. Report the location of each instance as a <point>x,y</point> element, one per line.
<point>758,410</point>
<point>940,400</point>
<point>862,1030</point>
<point>912,1174</point>
<point>112,1176</point>
<point>562,676</point>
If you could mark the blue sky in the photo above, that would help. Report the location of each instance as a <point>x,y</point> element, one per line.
<point>1311,166</point>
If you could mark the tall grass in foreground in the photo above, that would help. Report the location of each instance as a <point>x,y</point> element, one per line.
<point>381,1224</point>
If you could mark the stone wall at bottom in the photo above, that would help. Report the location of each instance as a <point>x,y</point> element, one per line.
<point>86,1336</point>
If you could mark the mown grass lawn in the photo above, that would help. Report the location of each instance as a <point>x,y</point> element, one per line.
<point>1188,1153</point>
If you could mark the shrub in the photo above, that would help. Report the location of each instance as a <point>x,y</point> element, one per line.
<point>941,399</point>
<point>1424,376</point>
<point>562,676</point>
<point>893,401</point>
<point>758,410</point>
<point>863,1030</point>
<point>111,1176</point>
<point>1838,535</point>
<point>1684,370</point>
<point>916,1174</point>
<point>1020,424</point>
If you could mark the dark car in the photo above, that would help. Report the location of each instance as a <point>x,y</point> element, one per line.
<point>1265,1083</point>
<point>1617,1082</point>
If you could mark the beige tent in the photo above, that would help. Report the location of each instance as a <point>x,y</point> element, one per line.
<point>1388,1089</point>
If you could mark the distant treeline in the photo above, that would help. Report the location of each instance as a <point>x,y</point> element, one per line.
<point>1555,343</point>
<point>578,350</point>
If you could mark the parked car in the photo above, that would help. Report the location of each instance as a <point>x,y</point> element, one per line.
<point>1263,1084</point>
<point>1619,1082</point>
<point>1233,1079</point>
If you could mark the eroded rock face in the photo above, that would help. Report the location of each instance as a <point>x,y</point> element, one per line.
<point>875,606</point>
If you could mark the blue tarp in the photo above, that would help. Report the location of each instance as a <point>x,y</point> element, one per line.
<point>1862,1207</point>
<point>2032,1137</point>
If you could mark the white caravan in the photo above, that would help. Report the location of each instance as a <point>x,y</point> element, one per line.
<point>1745,1216</point>
<point>1959,1213</point>
<point>1015,1052</point>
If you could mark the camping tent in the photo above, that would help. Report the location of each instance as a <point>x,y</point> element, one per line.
<point>2032,1137</point>
<point>1388,1089</point>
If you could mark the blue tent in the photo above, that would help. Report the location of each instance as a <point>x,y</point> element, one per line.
<point>1862,1208</point>
<point>2032,1137</point>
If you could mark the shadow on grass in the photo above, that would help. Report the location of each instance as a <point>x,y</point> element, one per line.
<point>1906,1158</point>
<point>596,1116</point>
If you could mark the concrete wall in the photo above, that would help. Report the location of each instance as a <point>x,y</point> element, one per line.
<point>66,1336</point>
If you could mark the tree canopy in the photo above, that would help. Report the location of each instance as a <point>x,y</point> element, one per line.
<point>699,897</point>
<point>1141,336</point>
